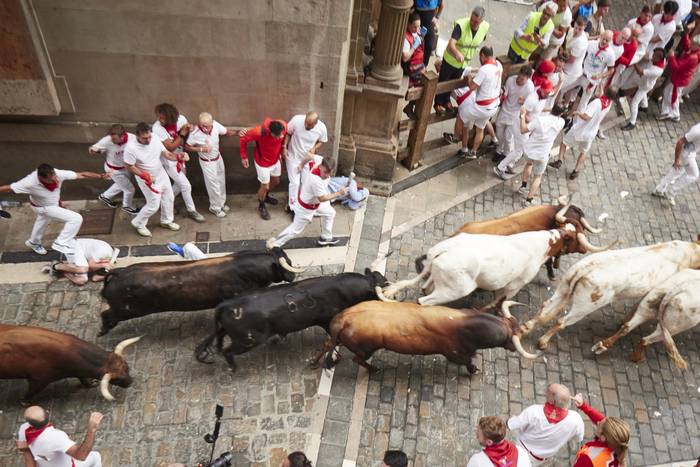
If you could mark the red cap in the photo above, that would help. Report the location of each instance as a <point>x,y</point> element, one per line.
<point>545,88</point>
<point>546,67</point>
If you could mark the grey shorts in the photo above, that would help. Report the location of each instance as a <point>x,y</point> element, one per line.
<point>538,167</point>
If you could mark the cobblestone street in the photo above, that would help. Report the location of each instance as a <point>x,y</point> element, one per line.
<point>164,415</point>
<point>427,408</point>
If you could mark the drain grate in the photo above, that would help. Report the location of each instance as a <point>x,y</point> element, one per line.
<point>97,221</point>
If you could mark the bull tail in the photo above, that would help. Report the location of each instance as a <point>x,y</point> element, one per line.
<point>672,350</point>
<point>420,263</point>
<point>390,291</point>
<point>219,332</point>
<point>333,345</point>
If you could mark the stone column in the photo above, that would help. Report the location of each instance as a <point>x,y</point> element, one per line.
<point>390,33</point>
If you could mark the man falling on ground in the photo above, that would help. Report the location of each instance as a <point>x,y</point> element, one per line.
<point>44,189</point>
<point>143,159</point>
<point>305,135</point>
<point>172,128</point>
<point>91,259</point>
<point>478,104</point>
<point>112,146</point>
<point>204,139</point>
<point>313,200</point>
<point>269,141</point>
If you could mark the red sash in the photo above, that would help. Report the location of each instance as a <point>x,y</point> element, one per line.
<point>315,171</point>
<point>503,454</point>
<point>113,167</point>
<point>149,183</point>
<point>123,138</point>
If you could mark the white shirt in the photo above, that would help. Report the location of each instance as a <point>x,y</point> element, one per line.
<point>684,7</point>
<point>480,459</point>
<point>542,438</point>
<point>114,153</point>
<point>534,105</point>
<point>644,36</point>
<point>618,50</point>
<point>302,140</point>
<point>198,137</point>
<point>489,80</point>
<point>544,129</point>
<point>49,448</point>
<point>407,45</point>
<point>90,249</point>
<point>664,31</point>
<point>145,157</point>
<point>554,78</point>
<point>160,131</point>
<point>39,195</point>
<point>597,61</point>
<point>693,139</point>
<point>563,18</point>
<point>650,73</point>
<point>586,130</point>
<point>511,105</point>
<point>576,46</point>
<point>312,186</point>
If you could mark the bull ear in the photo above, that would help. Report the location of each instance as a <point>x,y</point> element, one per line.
<point>368,271</point>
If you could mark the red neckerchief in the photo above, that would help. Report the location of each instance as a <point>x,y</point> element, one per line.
<point>123,138</point>
<point>661,64</point>
<point>601,49</point>
<point>149,183</point>
<point>605,102</point>
<point>49,186</point>
<point>315,170</point>
<point>204,130</point>
<point>503,454</point>
<point>31,433</point>
<point>554,414</point>
<point>640,23</point>
<point>172,130</point>
<point>666,21</point>
<point>489,61</point>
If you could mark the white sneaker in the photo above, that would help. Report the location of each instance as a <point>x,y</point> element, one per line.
<point>671,200</point>
<point>61,248</point>
<point>143,231</point>
<point>226,208</point>
<point>170,226</point>
<point>195,216</point>
<point>36,247</point>
<point>523,190</point>
<point>217,212</point>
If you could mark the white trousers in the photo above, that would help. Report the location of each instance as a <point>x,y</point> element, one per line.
<point>294,176</point>
<point>504,133</point>
<point>163,199</point>
<point>302,217</point>
<point>44,215</point>
<point>567,84</point>
<point>215,181</point>
<point>667,107</point>
<point>639,97</point>
<point>181,185</point>
<point>517,152</point>
<point>94,459</point>
<point>192,252</point>
<point>677,179</point>
<point>123,183</point>
<point>618,77</point>
<point>588,90</point>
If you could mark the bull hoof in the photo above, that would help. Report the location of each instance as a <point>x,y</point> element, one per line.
<point>204,357</point>
<point>637,357</point>
<point>314,364</point>
<point>551,277</point>
<point>542,344</point>
<point>599,348</point>
<point>473,371</point>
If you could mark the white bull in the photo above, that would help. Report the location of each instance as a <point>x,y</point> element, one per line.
<point>676,306</point>
<point>455,267</point>
<point>598,279</point>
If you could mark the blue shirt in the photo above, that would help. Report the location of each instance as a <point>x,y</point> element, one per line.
<point>426,4</point>
<point>354,198</point>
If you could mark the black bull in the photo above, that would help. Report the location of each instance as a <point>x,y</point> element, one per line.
<point>252,318</point>
<point>142,289</point>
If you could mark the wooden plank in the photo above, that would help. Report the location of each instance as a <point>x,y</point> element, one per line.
<point>428,145</point>
<point>423,108</point>
<point>446,86</point>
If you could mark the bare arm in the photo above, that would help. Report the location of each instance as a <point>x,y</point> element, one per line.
<point>523,122</point>
<point>5,189</point>
<point>342,192</point>
<point>175,157</point>
<point>316,147</point>
<point>93,175</point>
<point>582,116</point>
<point>679,151</point>
<point>27,456</point>
<point>81,452</point>
<point>285,149</point>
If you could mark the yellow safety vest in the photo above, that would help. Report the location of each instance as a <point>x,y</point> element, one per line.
<point>467,44</point>
<point>525,48</point>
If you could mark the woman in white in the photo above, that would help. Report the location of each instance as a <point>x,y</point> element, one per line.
<point>112,146</point>
<point>684,171</point>
<point>172,128</point>
<point>204,139</point>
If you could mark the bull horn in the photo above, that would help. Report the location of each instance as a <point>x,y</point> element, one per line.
<point>505,307</point>
<point>560,215</point>
<point>289,267</point>
<point>564,199</point>
<point>375,263</point>
<point>104,387</point>
<point>119,349</point>
<point>521,351</point>
<point>589,247</point>
<point>380,294</point>
<point>589,227</point>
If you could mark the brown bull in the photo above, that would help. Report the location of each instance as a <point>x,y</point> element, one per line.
<point>409,328</point>
<point>42,356</point>
<point>530,219</point>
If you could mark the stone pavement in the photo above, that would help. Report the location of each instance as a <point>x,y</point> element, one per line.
<point>428,408</point>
